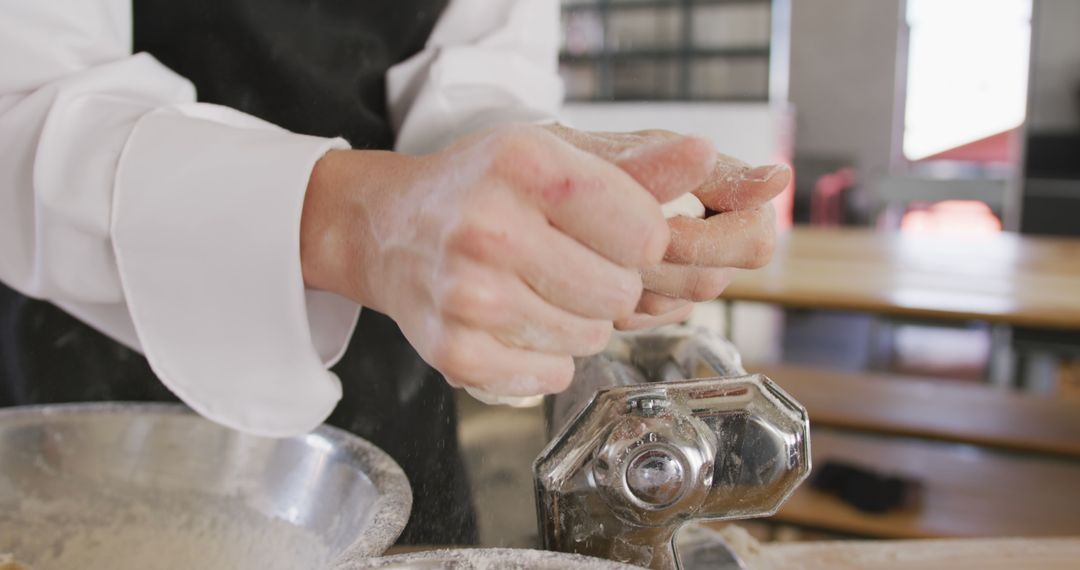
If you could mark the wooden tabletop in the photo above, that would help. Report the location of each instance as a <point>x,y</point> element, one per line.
<point>997,554</point>
<point>967,491</point>
<point>993,554</point>
<point>1006,278</point>
<point>938,409</point>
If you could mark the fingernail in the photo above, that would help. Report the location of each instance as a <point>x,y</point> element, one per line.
<point>764,173</point>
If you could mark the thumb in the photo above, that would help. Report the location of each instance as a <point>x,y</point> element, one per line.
<point>670,168</point>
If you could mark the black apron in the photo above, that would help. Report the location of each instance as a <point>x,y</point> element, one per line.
<point>313,67</point>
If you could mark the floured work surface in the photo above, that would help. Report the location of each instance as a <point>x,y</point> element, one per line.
<point>950,554</point>
<point>974,554</point>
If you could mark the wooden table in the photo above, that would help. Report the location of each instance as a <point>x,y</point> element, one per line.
<point>933,409</point>
<point>1007,279</point>
<point>999,554</point>
<point>1002,278</point>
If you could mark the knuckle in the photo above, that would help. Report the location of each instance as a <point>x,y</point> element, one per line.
<point>631,323</point>
<point>626,298</point>
<point>655,241</point>
<point>625,306</point>
<point>760,250</point>
<point>655,305</point>
<point>471,298</point>
<point>706,285</point>
<point>560,378</point>
<point>453,295</point>
<point>508,135</point>
<point>478,242</point>
<point>515,152</point>
<point>596,337</point>
<point>454,357</point>
<point>658,133</point>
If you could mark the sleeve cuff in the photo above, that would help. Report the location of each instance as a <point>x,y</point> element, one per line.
<point>205,228</point>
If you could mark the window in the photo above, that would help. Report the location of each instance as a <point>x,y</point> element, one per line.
<point>666,49</point>
<point>967,72</point>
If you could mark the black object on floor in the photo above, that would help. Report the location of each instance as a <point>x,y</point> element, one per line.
<point>865,489</point>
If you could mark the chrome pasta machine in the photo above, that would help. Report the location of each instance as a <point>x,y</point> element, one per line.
<point>664,428</point>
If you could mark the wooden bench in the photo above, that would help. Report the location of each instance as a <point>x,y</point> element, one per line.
<point>933,409</point>
<point>966,491</point>
<point>999,554</point>
<point>992,463</point>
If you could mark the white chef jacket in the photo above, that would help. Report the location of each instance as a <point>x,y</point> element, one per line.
<point>173,226</point>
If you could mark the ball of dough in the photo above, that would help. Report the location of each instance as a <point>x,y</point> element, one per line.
<point>686,205</point>
<point>513,401</point>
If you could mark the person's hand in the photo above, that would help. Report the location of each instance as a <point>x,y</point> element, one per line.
<point>739,231</point>
<point>501,257</point>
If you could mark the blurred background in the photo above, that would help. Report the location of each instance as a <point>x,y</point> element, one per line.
<point>924,301</point>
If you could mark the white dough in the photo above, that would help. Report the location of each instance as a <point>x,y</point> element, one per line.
<point>513,401</point>
<point>686,205</point>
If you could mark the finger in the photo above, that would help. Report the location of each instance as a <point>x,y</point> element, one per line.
<point>558,268</point>
<point>665,163</point>
<point>734,185</point>
<point>503,305</point>
<point>471,357</point>
<point>687,281</point>
<point>589,199</point>
<point>670,168</point>
<point>731,185</point>
<point>743,238</point>
<point>657,304</point>
<point>577,279</point>
<point>639,321</point>
<point>609,145</point>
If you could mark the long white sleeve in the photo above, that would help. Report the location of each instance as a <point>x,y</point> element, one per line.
<point>487,62</point>
<point>170,225</point>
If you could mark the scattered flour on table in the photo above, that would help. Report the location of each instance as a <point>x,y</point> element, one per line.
<point>491,559</point>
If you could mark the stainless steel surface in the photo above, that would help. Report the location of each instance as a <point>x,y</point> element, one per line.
<point>675,353</point>
<point>148,486</point>
<point>702,548</point>
<point>635,459</point>
<point>490,559</point>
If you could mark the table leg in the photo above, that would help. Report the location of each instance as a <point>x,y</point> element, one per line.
<point>1001,370</point>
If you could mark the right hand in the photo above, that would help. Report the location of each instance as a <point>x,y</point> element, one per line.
<point>501,257</point>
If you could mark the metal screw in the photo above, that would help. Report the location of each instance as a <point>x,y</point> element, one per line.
<point>648,406</point>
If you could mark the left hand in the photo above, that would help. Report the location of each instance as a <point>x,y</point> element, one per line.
<point>739,231</point>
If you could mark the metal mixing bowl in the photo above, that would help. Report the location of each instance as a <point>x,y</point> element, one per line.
<point>154,486</point>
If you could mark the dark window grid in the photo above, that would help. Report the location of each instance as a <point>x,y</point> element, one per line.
<point>686,52</point>
<point>588,5</point>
